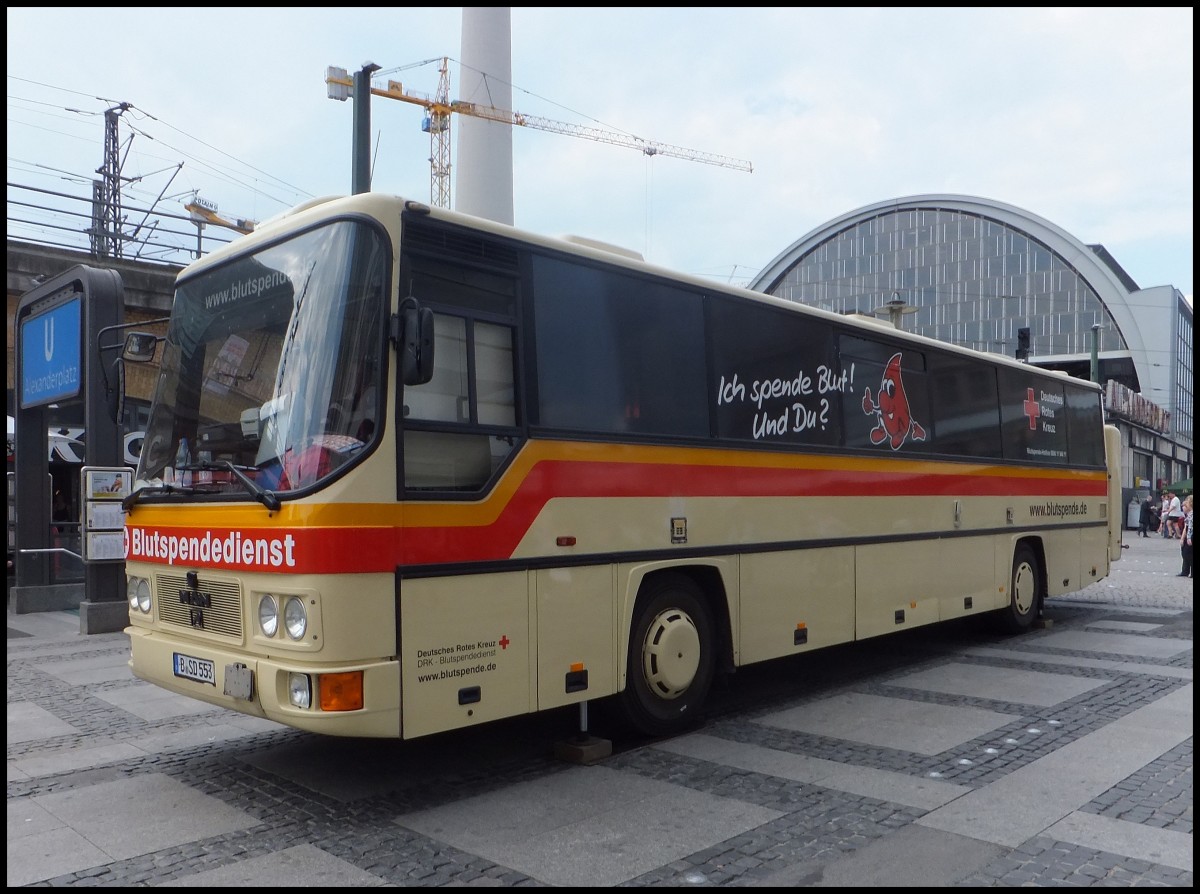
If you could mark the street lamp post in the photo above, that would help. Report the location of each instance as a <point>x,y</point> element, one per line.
<point>895,309</point>
<point>360,173</point>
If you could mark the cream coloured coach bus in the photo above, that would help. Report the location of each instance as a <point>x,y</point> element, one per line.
<point>408,471</point>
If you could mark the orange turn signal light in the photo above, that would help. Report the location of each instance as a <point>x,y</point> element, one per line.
<point>341,692</point>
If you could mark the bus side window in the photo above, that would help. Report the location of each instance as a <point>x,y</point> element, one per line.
<point>473,386</point>
<point>436,460</point>
<point>444,397</point>
<point>966,407</point>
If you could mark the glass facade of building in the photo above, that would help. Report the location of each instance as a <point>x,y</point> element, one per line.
<point>1182,404</point>
<point>974,282</point>
<point>974,273</point>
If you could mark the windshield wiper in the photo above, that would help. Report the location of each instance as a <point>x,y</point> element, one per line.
<point>267,497</point>
<point>136,495</point>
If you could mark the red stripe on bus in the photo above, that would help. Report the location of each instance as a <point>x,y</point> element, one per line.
<point>554,479</point>
<point>381,547</point>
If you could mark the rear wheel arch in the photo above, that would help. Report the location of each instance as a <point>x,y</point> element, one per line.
<point>1026,586</point>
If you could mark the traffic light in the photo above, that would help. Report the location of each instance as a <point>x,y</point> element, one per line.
<point>1023,343</point>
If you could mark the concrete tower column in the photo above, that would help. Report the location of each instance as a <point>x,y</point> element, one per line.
<point>484,175</point>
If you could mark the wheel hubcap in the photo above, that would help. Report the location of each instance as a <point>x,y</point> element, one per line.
<point>671,654</point>
<point>1024,588</point>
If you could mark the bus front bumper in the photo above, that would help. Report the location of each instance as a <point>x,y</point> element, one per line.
<point>260,686</point>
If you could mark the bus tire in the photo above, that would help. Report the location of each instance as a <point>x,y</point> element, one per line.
<point>671,661</point>
<point>1024,592</point>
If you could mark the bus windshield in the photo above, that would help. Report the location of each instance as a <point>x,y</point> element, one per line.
<point>271,375</point>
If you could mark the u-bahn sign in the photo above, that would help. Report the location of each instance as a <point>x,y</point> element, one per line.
<point>51,351</point>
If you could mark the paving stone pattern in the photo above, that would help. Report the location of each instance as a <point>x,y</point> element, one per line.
<point>351,829</point>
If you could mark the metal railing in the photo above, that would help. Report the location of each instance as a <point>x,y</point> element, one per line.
<point>63,536</point>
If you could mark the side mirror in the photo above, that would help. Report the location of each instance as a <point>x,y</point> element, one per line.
<point>139,347</point>
<point>416,344</point>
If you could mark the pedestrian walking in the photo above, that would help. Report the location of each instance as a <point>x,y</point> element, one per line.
<point>1172,514</point>
<point>1185,538</point>
<point>1147,520</point>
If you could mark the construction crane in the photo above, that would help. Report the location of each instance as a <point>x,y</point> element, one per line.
<point>439,108</point>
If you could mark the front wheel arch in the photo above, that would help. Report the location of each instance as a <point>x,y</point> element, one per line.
<point>672,656</point>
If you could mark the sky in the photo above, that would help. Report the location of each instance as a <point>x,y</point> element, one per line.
<point>1080,116</point>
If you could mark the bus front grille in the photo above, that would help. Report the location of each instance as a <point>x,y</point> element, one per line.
<point>214,606</point>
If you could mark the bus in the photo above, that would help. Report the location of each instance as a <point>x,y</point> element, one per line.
<point>407,471</point>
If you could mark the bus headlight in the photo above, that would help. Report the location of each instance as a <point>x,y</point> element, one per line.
<point>299,690</point>
<point>295,618</point>
<point>268,615</point>
<point>138,591</point>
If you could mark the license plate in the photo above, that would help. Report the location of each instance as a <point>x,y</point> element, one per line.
<point>199,669</point>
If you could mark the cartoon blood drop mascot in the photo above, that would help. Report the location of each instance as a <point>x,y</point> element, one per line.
<point>894,419</point>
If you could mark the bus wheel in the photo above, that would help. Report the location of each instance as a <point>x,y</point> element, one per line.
<point>1024,592</point>
<point>670,658</point>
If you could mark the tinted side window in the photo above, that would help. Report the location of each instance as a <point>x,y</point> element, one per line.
<point>775,375</point>
<point>1085,427</point>
<point>617,353</point>
<point>1033,418</point>
<point>888,405</point>
<point>966,407</point>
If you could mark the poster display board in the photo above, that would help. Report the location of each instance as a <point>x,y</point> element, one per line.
<point>103,488</point>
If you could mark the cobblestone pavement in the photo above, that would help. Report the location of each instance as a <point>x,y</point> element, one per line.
<point>941,757</point>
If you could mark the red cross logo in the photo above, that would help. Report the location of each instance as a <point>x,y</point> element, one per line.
<point>1032,409</point>
<point>504,641</point>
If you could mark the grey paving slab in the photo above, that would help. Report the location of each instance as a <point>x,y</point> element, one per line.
<point>1117,836</point>
<point>322,766</point>
<point>1024,687</point>
<point>1125,626</point>
<point>79,758</point>
<point>1121,667</point>
<point>889,722</point>
<point>104,668</point>
<point>885,785</point>
<point>351,769</point>
<point>588,826</point>
<point>39,649</point>
<point>127,817</point>
<point>46,625</point>
<point>14,774</point>
<point>149,702</point>
<point>1115,644</point>
<point>49,854</point>
<point>1172,713</point>
<point>27,722</point>
<point>302,866</point>
<point>911,857</point>
<point>252,724</point>
<point>26,818</point>
<point>159,743</point>
<point>1020,805</point>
